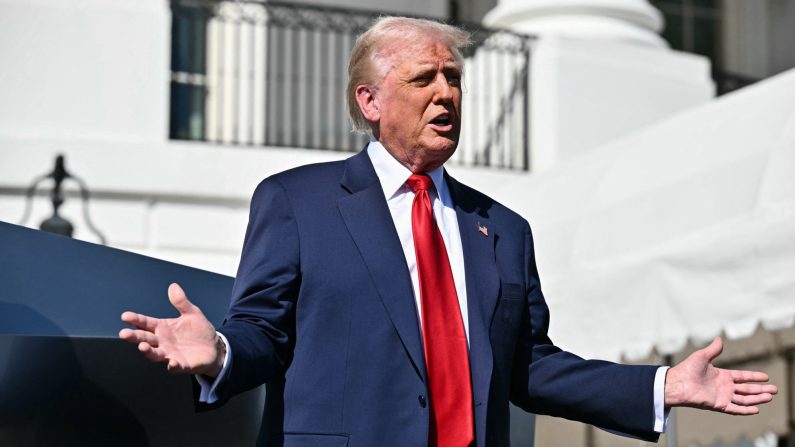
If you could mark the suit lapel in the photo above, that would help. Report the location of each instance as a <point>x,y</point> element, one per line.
<point>367,217</point>
<point>483,285</point>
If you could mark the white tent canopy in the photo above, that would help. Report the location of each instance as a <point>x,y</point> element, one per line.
<point>684,230</point>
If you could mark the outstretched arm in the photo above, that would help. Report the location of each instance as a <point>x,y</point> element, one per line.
<point>696,383</point>
<point>188,343</point>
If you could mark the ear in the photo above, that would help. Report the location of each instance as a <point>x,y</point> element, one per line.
<point>368,103</point>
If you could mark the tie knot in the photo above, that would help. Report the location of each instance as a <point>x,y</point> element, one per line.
<point>419,182</point>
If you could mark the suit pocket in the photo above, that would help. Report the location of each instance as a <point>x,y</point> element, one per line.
<point>510,291</point>
<point>510,307</point>
<point>507,319</point>
<point>308,440</point>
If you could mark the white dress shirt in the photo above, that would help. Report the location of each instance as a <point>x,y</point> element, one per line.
<point>399,197</point>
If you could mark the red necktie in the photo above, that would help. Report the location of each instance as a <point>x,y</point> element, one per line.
<point>446,353</point>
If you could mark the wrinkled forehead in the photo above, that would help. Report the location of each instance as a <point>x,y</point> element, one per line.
<point>417,50</point>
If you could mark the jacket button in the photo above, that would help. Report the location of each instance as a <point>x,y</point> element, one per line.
<point>423,402</point>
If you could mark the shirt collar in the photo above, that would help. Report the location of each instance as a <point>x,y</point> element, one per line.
<point>393,174</point>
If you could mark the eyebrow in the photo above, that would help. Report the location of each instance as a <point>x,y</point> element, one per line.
<point>422,67</point>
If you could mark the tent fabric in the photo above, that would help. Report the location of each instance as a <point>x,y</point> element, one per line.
<point>678,232</point>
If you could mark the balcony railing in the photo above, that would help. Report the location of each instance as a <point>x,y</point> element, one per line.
<point>273,74</point>
<point>727,82</point>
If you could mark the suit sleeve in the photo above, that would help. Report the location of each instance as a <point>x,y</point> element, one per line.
<point>547,380</point>
<point>260,324</point>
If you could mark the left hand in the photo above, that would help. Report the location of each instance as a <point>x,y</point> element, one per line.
<point>696,383</point>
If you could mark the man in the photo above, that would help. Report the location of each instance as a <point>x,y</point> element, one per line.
<point>386,304</point>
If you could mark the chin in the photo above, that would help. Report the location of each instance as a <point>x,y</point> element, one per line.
<point>442,152</point>
<point>448,146</point>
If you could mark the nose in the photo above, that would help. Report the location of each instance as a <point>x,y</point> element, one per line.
<point>443,91</point>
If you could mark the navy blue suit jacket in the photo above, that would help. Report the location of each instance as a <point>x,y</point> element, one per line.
<point>323,312</point>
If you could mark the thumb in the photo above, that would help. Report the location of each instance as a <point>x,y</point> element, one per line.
<point>714,349</point>
<point>179,300</point>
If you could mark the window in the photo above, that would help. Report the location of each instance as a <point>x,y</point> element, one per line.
<point>188,72</point>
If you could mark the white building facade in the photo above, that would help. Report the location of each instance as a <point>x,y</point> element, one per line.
<point>97,81</point>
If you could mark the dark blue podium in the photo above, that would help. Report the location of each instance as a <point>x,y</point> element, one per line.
<point>65,376</point>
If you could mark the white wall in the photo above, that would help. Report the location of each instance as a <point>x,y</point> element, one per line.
<point>184,202</point>
<point>92,69</point>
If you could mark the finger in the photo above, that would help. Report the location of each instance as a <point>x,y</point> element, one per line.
<point>140,320</point>
<point>753,388</point>
<point>179,300</point>
<point>175,367</point>
<point>714,349</point>
<point>153,354</point>
<point>740,410</point>
<point>755,399</point>
<point>138,336</point>
<point>749,376</point>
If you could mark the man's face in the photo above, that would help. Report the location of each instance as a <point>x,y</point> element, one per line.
<point>419,104</point>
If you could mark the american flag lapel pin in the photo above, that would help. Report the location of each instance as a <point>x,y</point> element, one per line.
<point>483,230</point>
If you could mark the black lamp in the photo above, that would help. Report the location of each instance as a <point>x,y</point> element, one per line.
<point>56,223</point>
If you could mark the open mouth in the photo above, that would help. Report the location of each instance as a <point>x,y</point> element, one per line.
<point>443,122</point>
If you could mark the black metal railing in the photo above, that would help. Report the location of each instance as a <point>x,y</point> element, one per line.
<point>273,74</point>
<point>726,82</point>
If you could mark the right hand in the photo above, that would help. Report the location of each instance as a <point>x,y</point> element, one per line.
<point>188,343</point>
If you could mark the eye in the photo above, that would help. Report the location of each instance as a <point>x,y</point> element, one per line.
<point>422,79</point>
<point>453,77</point>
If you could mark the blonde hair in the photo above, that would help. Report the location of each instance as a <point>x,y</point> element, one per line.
<point>368,63</point>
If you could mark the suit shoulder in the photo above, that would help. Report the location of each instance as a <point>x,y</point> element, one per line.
<point>473,200</point>
<point>299,177</point>
<point>314,172</point>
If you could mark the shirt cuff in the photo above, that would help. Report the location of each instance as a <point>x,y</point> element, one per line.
<point>660,412</point>
<point>207,392</point>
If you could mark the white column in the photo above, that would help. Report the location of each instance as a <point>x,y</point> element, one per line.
<point>619,20</point>
<point>598,70</point>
